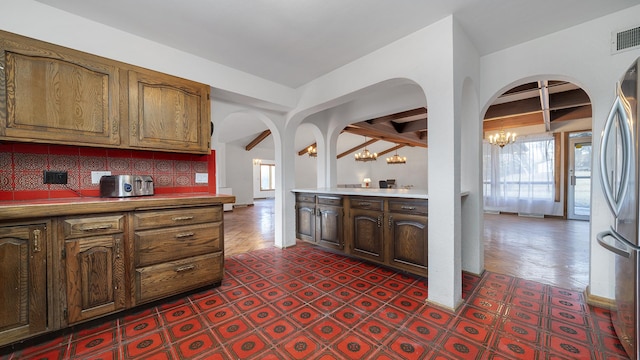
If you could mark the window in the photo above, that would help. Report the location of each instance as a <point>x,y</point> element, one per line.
<point>520,178</point>
<point>267,177</point>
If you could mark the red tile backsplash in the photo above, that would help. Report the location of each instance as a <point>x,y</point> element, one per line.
<point>21,167</point>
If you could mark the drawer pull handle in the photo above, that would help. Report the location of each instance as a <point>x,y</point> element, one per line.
<point>184,235</point>
<point>96,227</point>
<point>36,241</point>
<point>408,207</point>
<point>185,268</point>
<point>182,218</point>
<point>364,204</point>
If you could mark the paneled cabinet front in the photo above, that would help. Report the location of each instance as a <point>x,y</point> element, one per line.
<point>176,250</point>
<point>168,113</point>
<point>320,220</point>
<point>56,95</point>
<point>23,280</point>
<point>94,266</point>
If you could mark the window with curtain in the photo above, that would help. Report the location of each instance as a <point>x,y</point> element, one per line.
<point>519,177</point>
<point>267,177</point>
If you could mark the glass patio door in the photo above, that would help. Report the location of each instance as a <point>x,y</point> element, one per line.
<point>579,187</point>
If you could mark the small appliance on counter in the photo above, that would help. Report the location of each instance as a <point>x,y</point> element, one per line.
<point>126,185</point>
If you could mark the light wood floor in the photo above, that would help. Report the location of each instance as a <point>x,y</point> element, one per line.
<point>550,251</point>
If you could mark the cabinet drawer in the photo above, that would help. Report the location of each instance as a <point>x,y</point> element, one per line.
<point>95,225</point>
<point>306,198</point>
<point>163,218</point>
<point>161,245</point>
<point>157,281</point>
<point>409,206</point>
<point>367,203</point>
<point>330,200</point>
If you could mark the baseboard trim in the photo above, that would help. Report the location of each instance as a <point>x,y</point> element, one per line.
<point>599,301</point>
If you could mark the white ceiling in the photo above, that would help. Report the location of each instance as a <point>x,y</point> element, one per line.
<point>292,42</point>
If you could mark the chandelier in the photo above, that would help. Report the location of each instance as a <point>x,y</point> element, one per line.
<point>395,159</point>
<point>366,155</point>
<point>312,151</point>
<point>501,139</point>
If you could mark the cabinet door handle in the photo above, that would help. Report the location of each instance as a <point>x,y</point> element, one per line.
<point>36,241</point>
<point>390,221</point>
<point>408,207</point>
<point>96,227</point>
<point>380,221</point>
<point>182,218</point>
<point>184,235</point>
<point>118,248</point>
<point>185,268</point>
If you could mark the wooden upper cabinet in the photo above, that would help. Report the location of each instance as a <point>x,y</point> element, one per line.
<point>57,95</point>
<point>168,113</point>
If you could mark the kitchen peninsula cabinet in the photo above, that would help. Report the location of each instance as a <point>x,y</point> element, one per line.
<point>56,95</point>
<point>320,220</point>
<point>378,227</point>
<point>23,280</point>
<point>94,266</point>
<point>99,256</point>
<point>367,218</point>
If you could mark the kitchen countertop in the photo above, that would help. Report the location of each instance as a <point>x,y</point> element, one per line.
<point>398,193</point>
<point>28,209</point>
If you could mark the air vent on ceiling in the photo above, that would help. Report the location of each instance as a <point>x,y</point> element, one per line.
<point>625,39</point>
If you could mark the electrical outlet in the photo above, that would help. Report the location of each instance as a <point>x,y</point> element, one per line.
<point>202,178</point>
<point>54,177</point>
<point>96,175</point>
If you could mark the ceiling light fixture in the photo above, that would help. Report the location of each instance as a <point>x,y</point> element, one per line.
<point>365,154</point>
<point>312,151</point>
<point>501,139</point>
<point>395,159</point>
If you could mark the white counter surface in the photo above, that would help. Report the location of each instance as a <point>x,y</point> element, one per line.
<point>399,193</point>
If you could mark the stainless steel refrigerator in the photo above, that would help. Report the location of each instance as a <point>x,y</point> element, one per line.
<point>619,166</point>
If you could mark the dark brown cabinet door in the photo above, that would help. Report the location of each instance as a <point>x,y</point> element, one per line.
<point>57,95</point>
<point>329,231</point>
<point>408,242</point>
<point>95,276</point>
<point>23,281</point>
<point>368,234</point>
<point>306,221</point>
<point>168,114</point>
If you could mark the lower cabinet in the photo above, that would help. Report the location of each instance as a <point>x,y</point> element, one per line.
<point>320,220</point>
<point>94,266</point>
<point>23,280</point>
<point>65,270</point>
<point>388,231</point>
<point>176,251</point>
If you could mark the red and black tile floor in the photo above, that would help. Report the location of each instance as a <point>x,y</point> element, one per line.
<point>305,303</point>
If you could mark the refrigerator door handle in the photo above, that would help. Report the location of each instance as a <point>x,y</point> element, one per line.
<point>615,200</point>
<point>618,247</point>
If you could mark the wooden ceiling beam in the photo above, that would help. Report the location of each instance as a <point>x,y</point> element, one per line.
<point>568,99</point>
<point>353,149</point>
<point>416,125</point>
<point>416,113</point>
<point>364,129</point>
<point>391,149</point>
<point>512,108</point>
<point>513,122</point>
<point>581,112</point>
<point>258,140</point>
